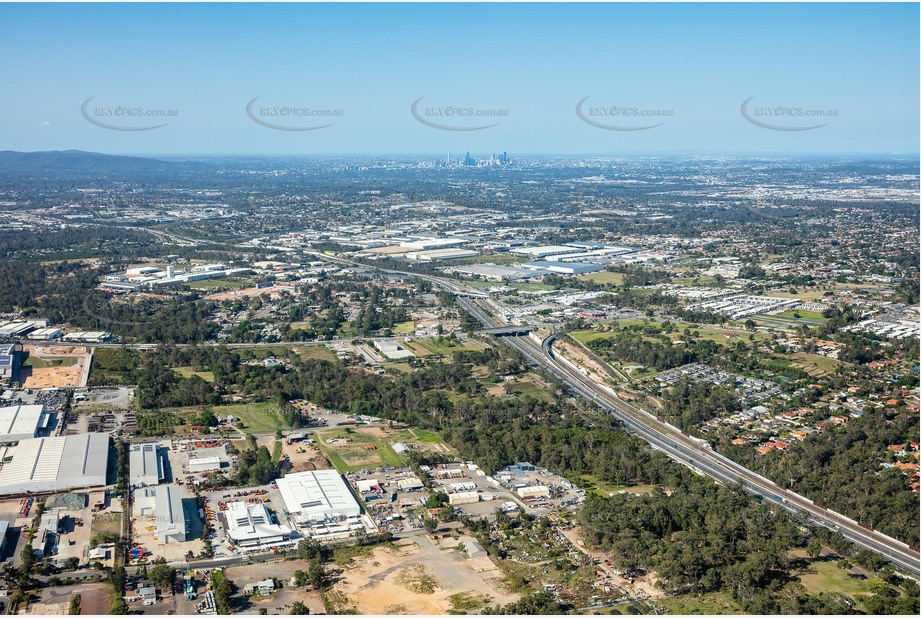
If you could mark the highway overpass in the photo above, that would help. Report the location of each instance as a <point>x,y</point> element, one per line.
<point>695,454</point>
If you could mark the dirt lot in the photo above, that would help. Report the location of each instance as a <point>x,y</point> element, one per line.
<point>118,397</point>
<point>281,599</point>
<point>94,600</point>
<point>55,366</point>
<point>417,576</point>
<point>310,459</point>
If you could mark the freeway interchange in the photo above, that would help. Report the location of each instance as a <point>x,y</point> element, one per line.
<point>685,449</point>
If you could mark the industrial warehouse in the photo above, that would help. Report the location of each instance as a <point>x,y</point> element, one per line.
<point>318,496</point>
<point>21,422</point>
<point>171,520</point>
<point>250,527</point>
<point>56,464</point>
<point>9,360</point>
<point>145,465</point>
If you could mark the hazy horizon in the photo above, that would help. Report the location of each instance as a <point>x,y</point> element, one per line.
<point>573,79</point>
<point>485,153</point>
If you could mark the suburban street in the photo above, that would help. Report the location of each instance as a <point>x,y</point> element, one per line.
<point>693,453</point>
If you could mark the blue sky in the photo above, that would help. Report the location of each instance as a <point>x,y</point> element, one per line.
<point>692,65</point>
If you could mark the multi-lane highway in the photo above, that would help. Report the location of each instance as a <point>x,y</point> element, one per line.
<point>696,453</point>
<point>668,439</point>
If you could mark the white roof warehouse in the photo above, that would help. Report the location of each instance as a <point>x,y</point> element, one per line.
<point>19,422</point>
<point>56,464</point>
<point>145,464</point>
<point>172,521</point>
<point>250,527</point>
<point>318,495</point>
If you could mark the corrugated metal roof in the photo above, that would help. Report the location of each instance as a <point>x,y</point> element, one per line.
<point>20,420</point>
<point>144,464</point>
<point>69,461</point>
<point>318,494</point>
<point>170,514</point>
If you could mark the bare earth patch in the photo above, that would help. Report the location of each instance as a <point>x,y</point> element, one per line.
<point>417,579</point>
<point>419,576</point>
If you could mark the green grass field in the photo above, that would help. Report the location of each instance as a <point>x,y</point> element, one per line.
<point>188,372</point>
<point>804,315</point>
<point>585,336</point>
<point>807,295</point>
<point>812,294</point>
<point>813,363</point>
<point>527,388</point>
<point>691,282</point>
<point>825,576</point>
<point>426,436</point>
<point>445,346</point>
<point>712,603</point>
<point>260,417</point>
<point>312,351</point>
<point>717,335</point>
<point>39,363</point>
<point>603,276</point>
<point>591,484</point>
<point>638,374</point>
<point>405,328</point>
<point>413,436</point>
<point>316,352</point>
<point>533,287</point>
<point>214,284</point>
<point>354,456</point>
<point>416,348</point>
<point>600,488</point>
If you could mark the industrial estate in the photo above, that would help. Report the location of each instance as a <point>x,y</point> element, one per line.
<point>416,413</point>
<point>673,369</point>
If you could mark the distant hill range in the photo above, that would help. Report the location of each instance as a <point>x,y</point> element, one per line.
<point>38,163</point>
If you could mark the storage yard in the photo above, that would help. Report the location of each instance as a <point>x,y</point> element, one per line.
<point>69,523</point>
<point>393,497</point>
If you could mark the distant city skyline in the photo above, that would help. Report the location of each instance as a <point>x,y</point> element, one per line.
<point>413,79</point>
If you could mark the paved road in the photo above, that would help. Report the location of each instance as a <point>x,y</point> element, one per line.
<point>151,346</point>
<point>684,449</point>
<point>689,451</point>
<point>695,453</point>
